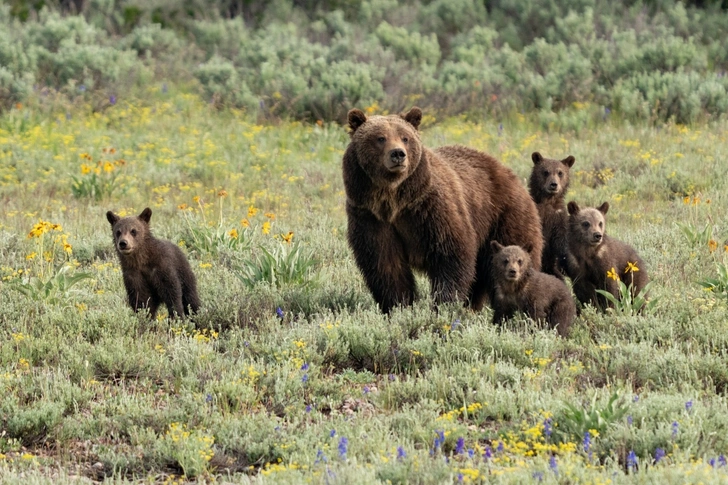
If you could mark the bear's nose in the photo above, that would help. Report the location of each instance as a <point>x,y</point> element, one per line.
<point>511,272</point>
<point>597,236</point>
<point>553,186</point>
<point>397,155</point>
<point>122,244</point>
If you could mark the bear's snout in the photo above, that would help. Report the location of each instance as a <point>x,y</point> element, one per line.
<point>397,156</point>
<point>554,186</point>
<point>122,244</point>
<point>512,273</point>
<point>597,237</point>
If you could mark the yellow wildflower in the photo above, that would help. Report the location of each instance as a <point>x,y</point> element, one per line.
<point>233,233</point>
<point>289,237</point>
<point>631,267</point>
<point>222,193</point>
<point>245,223</point>
<point>108,167</point>
<point>712,245</point>
<point>266,227</point>
<point>85,169</point>
<point>270,215</point>
<point>612,273</point>
<point>252,210</point>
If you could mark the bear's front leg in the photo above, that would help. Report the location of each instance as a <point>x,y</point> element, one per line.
<point>381,257</point>
<point>137,292</point>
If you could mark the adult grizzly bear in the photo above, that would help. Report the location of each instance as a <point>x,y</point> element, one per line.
<point>597,261</point>
<point>155,271</point>
<point>432,210</point>
<point>548,185</point>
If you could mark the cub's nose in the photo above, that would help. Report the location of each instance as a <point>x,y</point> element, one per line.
<point>553,186</point>
<point>597,236</point>
<point>122,244</point>
<point>397,155</point>
<point>512,273</point>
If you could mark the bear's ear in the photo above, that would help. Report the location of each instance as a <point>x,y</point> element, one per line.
<point>603,208</point>
<point>112,218</point>
<point>569,161</point>
<point>528,248</point>
<point>537,158</point>
<point>573,208</point>
<point>496,246</point>
<point>356,119</point>
<point>146,215</point>
<point>414,117</point>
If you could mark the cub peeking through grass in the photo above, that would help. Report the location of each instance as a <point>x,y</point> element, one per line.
<point>155,271</point>
<point>597,261</point>
<point>519,287</point>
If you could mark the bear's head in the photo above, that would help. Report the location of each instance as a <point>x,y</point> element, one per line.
<point>510,263</point>
<point>388,148</point>
<point>129,232</point>
<point>587,226</point>
<point>549,178</point>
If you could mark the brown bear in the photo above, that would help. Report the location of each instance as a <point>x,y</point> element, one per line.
<point>155,271</point>
<point>519,287</point>
<point>596,261</point>
<point>548,185</point>
<point>432,210</point>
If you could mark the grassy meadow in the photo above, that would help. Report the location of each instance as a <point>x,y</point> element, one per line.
<point>289,374</point>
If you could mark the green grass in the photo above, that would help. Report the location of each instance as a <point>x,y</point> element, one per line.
<point>246,394</point>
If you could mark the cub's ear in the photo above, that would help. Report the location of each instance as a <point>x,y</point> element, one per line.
<point>569,161</point>
<point>528,248</point>
<point>146,215</point>
<point>537,158</point>
<point>414,117</point>
<point>603,208</point>
<point>496,246</point>
<point>573,208</point>
<point>356,119</point>
<point>112,218</point>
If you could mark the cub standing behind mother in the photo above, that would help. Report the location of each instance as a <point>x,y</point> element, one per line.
<point>409,207</point>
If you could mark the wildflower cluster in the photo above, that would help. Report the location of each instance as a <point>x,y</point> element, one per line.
<point>191,449</point>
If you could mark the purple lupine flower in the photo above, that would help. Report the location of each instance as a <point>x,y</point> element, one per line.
<point>320,457</point>
<point>82,88</point>
<point>636,398</point>
<point>500,129</point>
<point>280,313</point>
<point>689,406</point>
<point>304,367</point>
<point>455,324</point>
<point>711,462</point>
<point>439,440</point>
<point>460,446</point>
<point>112,100</point>
<point>500,447</point>
<point>587,442</point>
<point>401,454</point>
<point>332,433</point>
<point>675,428</point>
<point>471,453</point>
<point>208,398</point>
<point>366,390</point>
<point>659,455</point>
<point>547,427</point>
<point>460,478</point>
<point>308,408</point>
<point>304,379</point>
<point>631,461</point>
<point>552,464</point>
<point>722,461</point>
<point>538,476</point>
<point>343,447</point>
<point>488,454</point>
<point>629,420</point>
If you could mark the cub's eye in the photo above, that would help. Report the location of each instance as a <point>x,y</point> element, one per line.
<point>405,139</point>
<point>601,224</point>
<point>545,173</point>
<point>561,174</point>
<point>118,233</point>
<point>381,139</point>
<point>585,224</point>
<point>520,262</point>
<point>133,232</point>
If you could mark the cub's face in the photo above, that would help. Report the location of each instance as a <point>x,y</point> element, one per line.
<point>550,177</point>
<point>388,148</point>
<point>587,226</point>
<point>510,262</point>
<point>129,231</point>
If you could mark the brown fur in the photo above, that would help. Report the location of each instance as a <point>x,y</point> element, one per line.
<point>592,253</point>
<point>432,210</point>
<point>519,287</point>
<point>155,271</point>
<point>548,185</point>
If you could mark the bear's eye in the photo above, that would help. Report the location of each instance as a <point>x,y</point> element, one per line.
<point>381,139</point>
<point>561,174</point>
<point>405,139</point>
<point>601,224</point>
<point>133,232</point>
<point>585,224</point>
<point>520,262</point>
<point>545,173</point>
<point>118,233</point>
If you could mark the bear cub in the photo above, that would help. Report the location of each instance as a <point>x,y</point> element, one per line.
<point>597,261</point>
<point>548,185</point>
<point>155,271</point>
<point>519,287</point>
